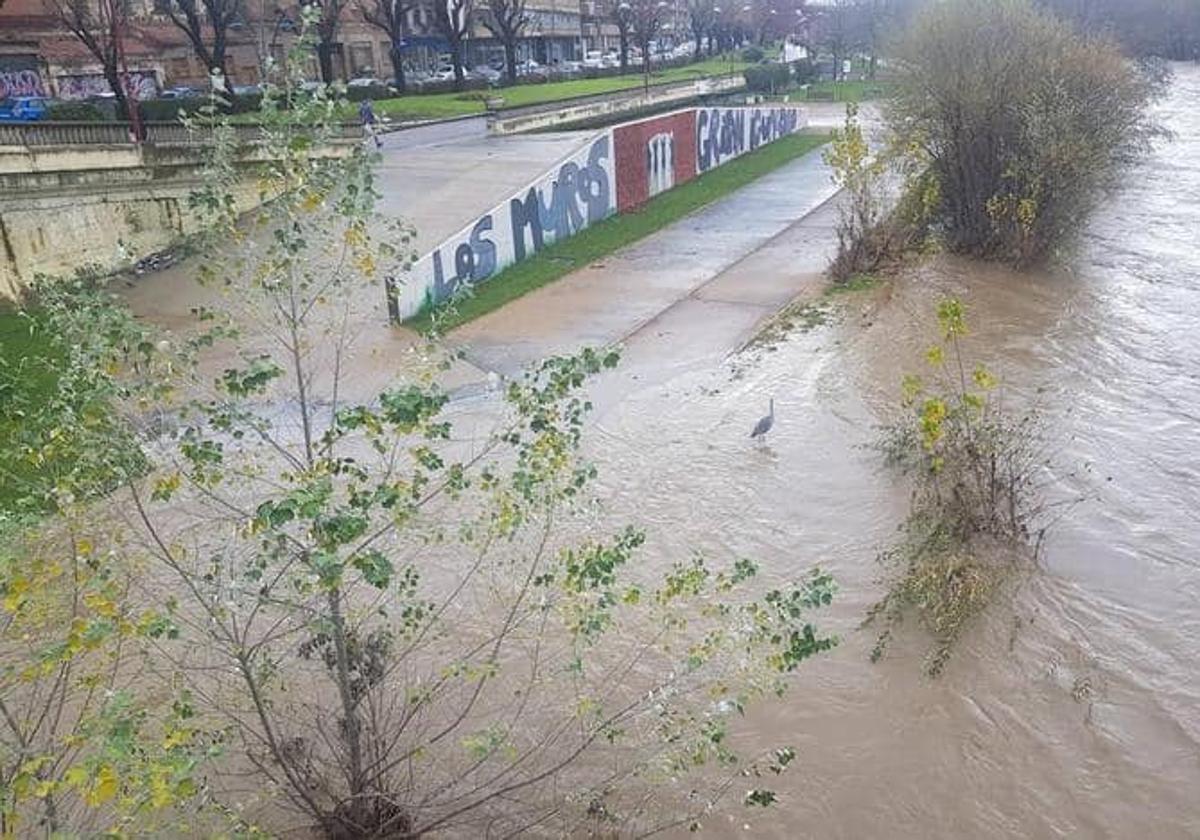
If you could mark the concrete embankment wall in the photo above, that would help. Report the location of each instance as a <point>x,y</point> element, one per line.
<point>96,207</point>
<point>615,171</point>
<point>76,196</point>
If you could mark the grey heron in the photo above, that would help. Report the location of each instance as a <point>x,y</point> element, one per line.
<point>764,424</point>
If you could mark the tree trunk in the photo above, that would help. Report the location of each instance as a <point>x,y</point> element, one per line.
<point>510,60</point>
<point>113,77</point>
<point>456,57</point>
<point>221,61</point>
<point>624,54</point>
<point>398,68</point>
<point>325,61</point>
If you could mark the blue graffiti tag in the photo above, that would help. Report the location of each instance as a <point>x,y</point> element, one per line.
<point>474,260</point>
<point>720,134</point>
<point>562,216</point>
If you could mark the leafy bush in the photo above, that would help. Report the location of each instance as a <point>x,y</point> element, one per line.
<point>168,110</point>
<point>868,235</point>
<point>767,78</point>
<point>1020,120</point>
<point>974,465</point>
<point>74,112</point>
<point>358,94</point>
<point>805,71</point>
<point>447,85</point>
<point>752,55</point>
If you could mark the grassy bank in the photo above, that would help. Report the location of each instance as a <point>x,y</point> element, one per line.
<point>847,91</point>
<point>435,105</point>
<point>27,363</point>
<point>432,106</point>
<point>614,233</point>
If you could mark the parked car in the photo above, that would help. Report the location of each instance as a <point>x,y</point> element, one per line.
<point>593,60</point>
<point>180,92</point>
<point>485,72</point>
<point>22,109</point>
<point>569,68</point>
<point>530,67</point>
<point>246,90</point>
<point>366,82</point>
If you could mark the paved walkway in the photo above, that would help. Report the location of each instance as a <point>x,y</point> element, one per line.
<point>695,288</point>
<point>443,176</point>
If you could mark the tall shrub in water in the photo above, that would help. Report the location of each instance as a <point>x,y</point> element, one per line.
<point>1021,120</point>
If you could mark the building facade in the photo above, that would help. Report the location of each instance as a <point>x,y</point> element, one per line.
<point>38,56</point>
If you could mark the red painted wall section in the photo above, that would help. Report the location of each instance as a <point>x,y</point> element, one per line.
<point>653,155</point>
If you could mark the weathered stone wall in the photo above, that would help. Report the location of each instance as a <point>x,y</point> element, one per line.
<point>99,206</point>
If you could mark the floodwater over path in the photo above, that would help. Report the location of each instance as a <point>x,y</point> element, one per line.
<point>1072,708</point>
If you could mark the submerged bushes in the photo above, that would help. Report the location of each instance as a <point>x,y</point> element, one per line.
<point>1019,120</point>
<point>974,465</point>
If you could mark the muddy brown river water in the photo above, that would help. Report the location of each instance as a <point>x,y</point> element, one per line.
<point>1072,708</point>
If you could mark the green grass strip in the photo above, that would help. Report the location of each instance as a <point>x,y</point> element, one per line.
<point>431,106</point>
<point>600,240</point>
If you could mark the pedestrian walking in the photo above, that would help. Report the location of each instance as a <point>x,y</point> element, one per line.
<point>366,114</point>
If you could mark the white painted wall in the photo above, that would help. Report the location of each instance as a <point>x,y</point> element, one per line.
<point>579,191</point>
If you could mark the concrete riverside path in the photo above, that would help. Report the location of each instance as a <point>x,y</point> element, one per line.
<point>694,289</point>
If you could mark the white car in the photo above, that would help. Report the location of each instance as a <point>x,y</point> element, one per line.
<point>594,60</point>
<point>366,82</point>
<point>483,71</point>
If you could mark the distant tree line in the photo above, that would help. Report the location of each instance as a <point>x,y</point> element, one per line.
<point>1165,28</point>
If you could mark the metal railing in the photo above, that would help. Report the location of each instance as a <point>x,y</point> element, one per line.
<point>41,134</point>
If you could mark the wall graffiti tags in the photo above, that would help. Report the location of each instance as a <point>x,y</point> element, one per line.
<point>139,84</point>
<point>660,162</point>
<point>617,171</point>
<point>18,80</point>
<point>577,193</point>
<point>653,155</point>
<point>725,133</point>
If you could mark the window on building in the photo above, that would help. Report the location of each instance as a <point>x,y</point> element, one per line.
<point>362,60</point>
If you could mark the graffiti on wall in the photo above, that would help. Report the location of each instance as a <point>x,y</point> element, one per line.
<point>579,192</point>
<point>19,76</point>
<point>617,171</point>
<point>21,83</point>
<point>660,162</point>
<point>139,84</point>
<point>653,155</point>
<point>724,133</point>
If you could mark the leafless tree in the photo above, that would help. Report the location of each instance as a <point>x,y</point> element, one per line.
<point>702,17</point>
<point>329,18</point>
<point>647,18</point>
<point>620,12</point>
<point>389,16</point>
<point>100,27</point>
<point>206,25</point>
<point>506,19</point>
<point>452,19</point>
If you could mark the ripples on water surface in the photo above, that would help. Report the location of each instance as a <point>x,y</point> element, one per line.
<point>1075,711</point>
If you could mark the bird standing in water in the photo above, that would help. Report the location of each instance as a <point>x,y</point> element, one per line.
<point>764,425</point>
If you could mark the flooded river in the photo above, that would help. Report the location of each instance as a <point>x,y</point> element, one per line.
<point>1072,709</point>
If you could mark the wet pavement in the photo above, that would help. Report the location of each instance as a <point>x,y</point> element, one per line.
<point>442,176</point>
<point>703,282</point>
